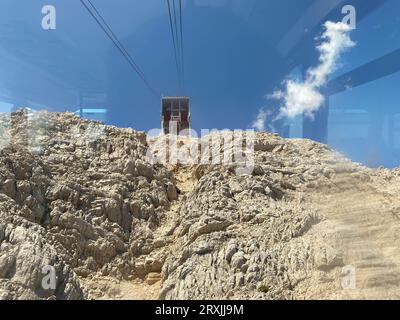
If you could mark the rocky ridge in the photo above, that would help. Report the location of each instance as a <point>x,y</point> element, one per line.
<point>81,197</point>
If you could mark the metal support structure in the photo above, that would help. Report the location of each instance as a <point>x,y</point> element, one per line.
<point>175,110</point>
<point>374,70</point>
<point>386,65</point>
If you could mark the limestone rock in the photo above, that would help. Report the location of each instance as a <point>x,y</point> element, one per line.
<point>81,197</point>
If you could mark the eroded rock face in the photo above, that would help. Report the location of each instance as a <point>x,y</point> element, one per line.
<point>79,192</point>
<point>80,196</point>
<point>253,236</point>
<point>24,252</point>
<point>235,236</point>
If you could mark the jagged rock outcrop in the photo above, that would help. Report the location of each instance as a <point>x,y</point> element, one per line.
<point>83,198</point>
<point>81,187</point>
<point>240,236</point>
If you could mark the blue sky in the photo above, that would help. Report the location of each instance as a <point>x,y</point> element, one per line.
<point>235,53</point>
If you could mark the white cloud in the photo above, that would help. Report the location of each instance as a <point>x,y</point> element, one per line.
<point>263,120</point>
<point>259,121</point>
<point>303,96</point>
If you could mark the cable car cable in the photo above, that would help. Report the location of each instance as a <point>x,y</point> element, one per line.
<point>111,35</point>
<point>182,57</point>
<point>115,37</point>
<point>174,40</point>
